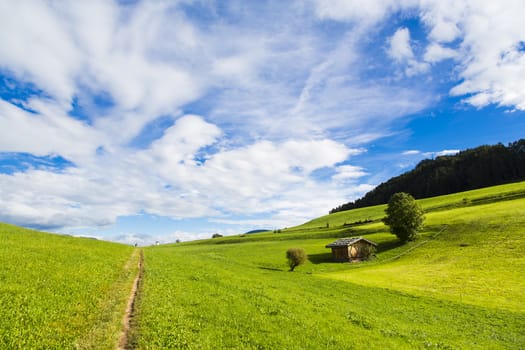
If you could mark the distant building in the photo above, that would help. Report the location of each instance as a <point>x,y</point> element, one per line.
<point>352,249</point>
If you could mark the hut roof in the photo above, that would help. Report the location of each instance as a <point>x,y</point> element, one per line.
<point>346,242</point>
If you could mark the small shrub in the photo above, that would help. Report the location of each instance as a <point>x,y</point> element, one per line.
<point>296,257</point>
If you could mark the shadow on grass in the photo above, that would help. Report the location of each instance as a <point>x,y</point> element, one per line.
<point>270,268</point>
<point>386,246</point>
<point>320,258</point>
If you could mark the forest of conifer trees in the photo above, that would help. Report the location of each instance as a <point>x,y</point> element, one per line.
<point>470,169</point>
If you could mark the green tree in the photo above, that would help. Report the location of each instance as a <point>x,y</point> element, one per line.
<point>296,257</point>
<point>404,216</point>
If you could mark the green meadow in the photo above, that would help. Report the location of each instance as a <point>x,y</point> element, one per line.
<point>59,292</point>
<point>459,286</point>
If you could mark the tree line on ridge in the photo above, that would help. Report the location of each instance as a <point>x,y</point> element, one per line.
<point>470,169</point>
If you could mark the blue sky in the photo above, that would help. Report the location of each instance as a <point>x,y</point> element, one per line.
<point>144,121</point>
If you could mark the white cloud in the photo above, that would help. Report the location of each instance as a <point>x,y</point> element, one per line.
<point>37,47</point>
<point>150,60</point>
<point>446,152</point>
<point>349,173</point>
<point>444,31</point>
<point>166,180</point>
<point>353,10</point>
<point>443,19</point>
<point>492,66</point>
<point>484,37</point>
<point>366,12</point>
<point>181,142</point>
<point>400,50</point>
<point>436,53</point>
<point>268,175</point>
<point>50,131</point>
<point>279,100</point>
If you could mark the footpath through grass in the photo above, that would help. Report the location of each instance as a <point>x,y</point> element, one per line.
<point>59,292</point>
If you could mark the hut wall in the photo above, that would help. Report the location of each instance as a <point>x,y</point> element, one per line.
<point>340,253</point>
<point>362,250</point>
<point>356,252</point>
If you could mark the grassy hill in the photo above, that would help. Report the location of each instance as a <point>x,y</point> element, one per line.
<point>59,292</point>
<point>459,286</point>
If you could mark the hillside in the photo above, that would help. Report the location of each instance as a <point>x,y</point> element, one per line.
<point>61,292</point>
<point>479,167</point>
<point>459,286</point>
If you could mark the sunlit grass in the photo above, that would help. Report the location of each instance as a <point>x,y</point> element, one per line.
<point>59,292</point>
<point>478,259</point>
<point>460,287</point>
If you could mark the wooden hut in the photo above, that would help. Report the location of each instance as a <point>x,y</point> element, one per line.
<point>352,249</point>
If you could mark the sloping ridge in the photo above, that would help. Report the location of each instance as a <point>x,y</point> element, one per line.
<point>475,168</point>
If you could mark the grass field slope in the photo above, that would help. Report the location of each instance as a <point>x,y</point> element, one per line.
<point>459,286</point>
<point>60,292</point>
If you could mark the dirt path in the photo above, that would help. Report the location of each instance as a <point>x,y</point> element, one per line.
<point>130,308</point>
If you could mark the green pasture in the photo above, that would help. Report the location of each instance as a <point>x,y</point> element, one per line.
<point>459,286</point>
<point>476,257</point>
<point>59,292</point>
